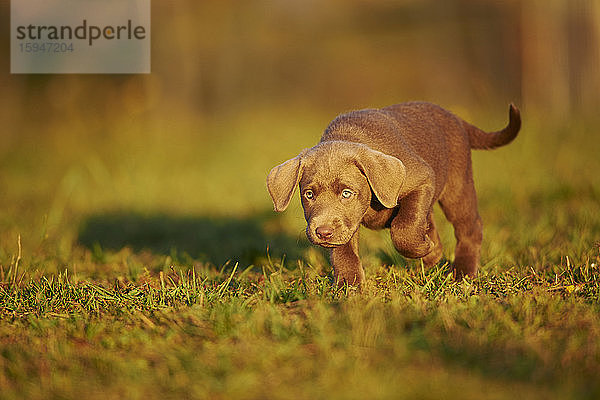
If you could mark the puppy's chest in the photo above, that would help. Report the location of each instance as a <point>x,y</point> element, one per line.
<point>379,217</point>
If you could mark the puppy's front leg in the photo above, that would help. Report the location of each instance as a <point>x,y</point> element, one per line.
<point>347,267</point>
<point>410,226</point>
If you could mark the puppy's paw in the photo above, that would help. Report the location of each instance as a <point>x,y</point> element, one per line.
<point>417,249</point>
<point>350,278</point>
<point>433,257</point>
<point>426,247</point>
<point>465,266</point>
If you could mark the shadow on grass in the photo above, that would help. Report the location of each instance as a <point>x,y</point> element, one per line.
<point>207,239</point>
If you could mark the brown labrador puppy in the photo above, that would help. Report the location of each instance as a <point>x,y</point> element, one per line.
<point>385,168</point>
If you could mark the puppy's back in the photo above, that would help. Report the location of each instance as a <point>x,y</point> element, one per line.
<point>404,131</point>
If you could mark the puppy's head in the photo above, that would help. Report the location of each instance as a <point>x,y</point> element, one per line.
<point>337,181</point>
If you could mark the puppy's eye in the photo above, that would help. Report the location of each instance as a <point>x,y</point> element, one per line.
<point>347,193</point>
<point>309,194</point>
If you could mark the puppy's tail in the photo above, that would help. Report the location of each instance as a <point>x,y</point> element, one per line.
<point>490,140</point>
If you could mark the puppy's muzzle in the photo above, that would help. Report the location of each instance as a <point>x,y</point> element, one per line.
<point>331,233</point>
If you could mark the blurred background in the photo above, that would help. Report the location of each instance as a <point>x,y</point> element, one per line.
<point>174,162</point>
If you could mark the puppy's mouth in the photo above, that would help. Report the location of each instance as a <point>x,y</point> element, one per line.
<point>336,240</point>
<point>330,245</point>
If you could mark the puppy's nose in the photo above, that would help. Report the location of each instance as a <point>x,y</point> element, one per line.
<point>324,232</point>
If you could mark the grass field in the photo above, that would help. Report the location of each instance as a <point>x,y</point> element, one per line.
<point>140,258</point>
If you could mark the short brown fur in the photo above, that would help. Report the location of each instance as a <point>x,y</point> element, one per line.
<point>385,168</point>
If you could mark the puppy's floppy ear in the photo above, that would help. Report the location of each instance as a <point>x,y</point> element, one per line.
<point>385,174</point>
<point>283,179</point>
